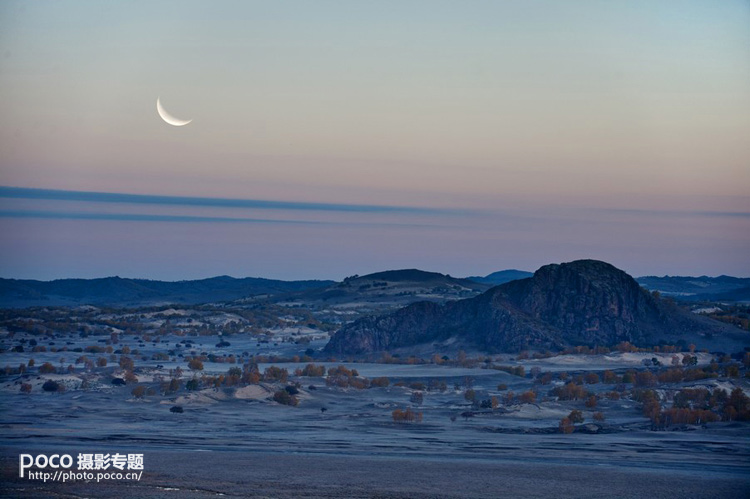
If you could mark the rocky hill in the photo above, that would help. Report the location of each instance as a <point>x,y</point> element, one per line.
<point>585,302</point>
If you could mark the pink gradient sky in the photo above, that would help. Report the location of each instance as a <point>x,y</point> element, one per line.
<point>554,131</point>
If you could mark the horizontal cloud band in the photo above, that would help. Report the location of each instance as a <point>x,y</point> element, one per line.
<point>111,197</point>
<point>141,217</point>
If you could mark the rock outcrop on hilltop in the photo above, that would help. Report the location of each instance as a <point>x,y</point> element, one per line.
<point>585,302</point>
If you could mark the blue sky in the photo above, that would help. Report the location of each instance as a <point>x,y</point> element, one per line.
<point>346,137</point>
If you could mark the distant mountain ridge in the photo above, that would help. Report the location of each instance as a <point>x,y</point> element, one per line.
<point>585,302</point>
<point>721,288</point>
<point>392,288</point>
<point>16,293</point>
<point>501,277</point>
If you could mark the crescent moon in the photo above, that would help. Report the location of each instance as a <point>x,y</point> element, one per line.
<point>168,117</point>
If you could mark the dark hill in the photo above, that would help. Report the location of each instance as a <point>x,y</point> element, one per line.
<point>116,291</point>
<point>411,275</point>
<point>391,289</point>
<point>703,288</point>
<point>585,302</point>
<point>501,277</point>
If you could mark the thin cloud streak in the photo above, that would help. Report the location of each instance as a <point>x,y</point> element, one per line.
<point>125,198</point>
<point>679,213</point>
<point>139,217</point>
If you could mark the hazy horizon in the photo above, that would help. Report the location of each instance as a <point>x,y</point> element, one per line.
<point>337,138</point>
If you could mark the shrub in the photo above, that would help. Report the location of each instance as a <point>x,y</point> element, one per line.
<point>51,386</point>
<point>527,397</point>
<point>47,368</point>
<point>645,378</point>
<point>591,402</point>
<point>575,416</point>
<point>692,398</point>
<point>342,371</point>
<point>139,391</point>
<point>689,416</point>
<point>470,395</point>
<point>195,364</point>
<point>25,388</point>
<point>284,398</point>
<point>406,416</point>
<point>566,426</point>
<point>126,363</point>
<point>673,375</point>
<point>130,377</point>
<point>629,377</point>
<point>417,398</point>
<point>381,382</point>
<point>599,416</point>
<point>311,370</point>
<point>172,387</point>
<point>274,373</point>
<point>591,378</point>
<point>652,407</point>
<point>176,409</point>
<point>291,390</point>
<point>501,387</point>
<point>737,408</point>
<point>569,391</point>
<point>516,371</point>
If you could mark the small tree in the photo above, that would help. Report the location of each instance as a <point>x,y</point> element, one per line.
<point>591,378</point>
<point>381,382</point>
<point>528,397</point>
<point>126,363</point>
<point>283,397</point>
<point>274,373</point>
<point>470,395</point>
<point>47,368</point>
<point>129,377</point>
<point>575,416</point>
<point>417,398</point>
<point>406,416</point>
<point>195,364</point>
<point>566,426</point>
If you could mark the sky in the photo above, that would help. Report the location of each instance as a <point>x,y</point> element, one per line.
<point>333,138</point>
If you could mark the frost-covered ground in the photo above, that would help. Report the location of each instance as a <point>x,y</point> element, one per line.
<point>343,442</point>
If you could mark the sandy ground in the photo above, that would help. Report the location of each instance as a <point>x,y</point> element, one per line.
<point>344,443</point>
<point>189,474</point>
